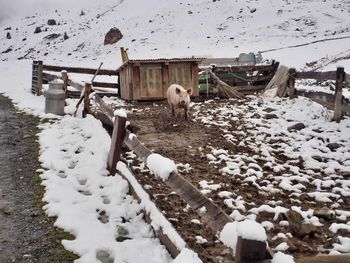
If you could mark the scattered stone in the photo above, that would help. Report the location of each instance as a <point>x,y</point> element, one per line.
<point>7,50</point>
<point>8,28</point>
<point>296,127</point>
<point>24,39</point>
<point>65,36</point>
<point>8,35</point>
<point>27,256</point>
<point>37,30</point>
<point>270,116</point>
<point>333,146</point>
<point>82,13</point>
<point>52,36</point>
<point>104,257</point>
<point>324,213</point>
<point>253,10</point>
<point>51,22</point>
<point>297,227</point>
<point>317,158</point>
<point>113,36</point>
<point>190,12</point>
<point>268,110</point>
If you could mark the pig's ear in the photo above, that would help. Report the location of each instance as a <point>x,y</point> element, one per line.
<point>189,91</point>
<point>178,91</point>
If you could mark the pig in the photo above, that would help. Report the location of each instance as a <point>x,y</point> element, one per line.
<point>178,99</point>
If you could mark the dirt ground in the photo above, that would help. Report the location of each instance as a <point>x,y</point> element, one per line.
<point>26,234</point>
<point>188,142</point>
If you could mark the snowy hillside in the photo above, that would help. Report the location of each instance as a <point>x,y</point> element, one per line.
<point>183,28</point>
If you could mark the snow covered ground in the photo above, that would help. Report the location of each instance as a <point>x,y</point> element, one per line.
<point>90,204</point>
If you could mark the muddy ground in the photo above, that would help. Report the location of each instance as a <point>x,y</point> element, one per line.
<point>26,233</point>
<point>188,142</point>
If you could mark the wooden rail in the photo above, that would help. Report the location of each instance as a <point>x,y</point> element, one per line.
<point>91,71</point>
<point>339,76</point>
<point>43,74</point>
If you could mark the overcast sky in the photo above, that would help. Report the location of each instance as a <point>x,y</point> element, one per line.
<point>10,8</point>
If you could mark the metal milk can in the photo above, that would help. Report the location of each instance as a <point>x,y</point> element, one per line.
<point>55,98</point>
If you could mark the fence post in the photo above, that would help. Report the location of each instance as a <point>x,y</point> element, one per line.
<point>340,78</point>
<point>65,80</point>
<point>37,77</point>
<point>250,251</point>
<point>291,83</point>
<point>116,143</point>
<point>87,93</point>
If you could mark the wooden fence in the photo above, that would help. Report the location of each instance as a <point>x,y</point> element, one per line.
<point>41,74</point>
<point>246,79</point>
<point>215,218</point>
<point>341,80</point>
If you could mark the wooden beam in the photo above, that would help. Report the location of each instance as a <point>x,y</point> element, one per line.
<point>327,75</point>
<point>250,250</point>
<point>347,78</point>
<point>116,144</point>
<point>64,77</point>
<point>91,71</point>
<point>291,83</point>
<point>87,93</point>
<point>340,74</point>
<point>344,258</point>
<point>241,68</point>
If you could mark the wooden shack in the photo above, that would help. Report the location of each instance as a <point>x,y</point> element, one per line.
<point>149,79</point>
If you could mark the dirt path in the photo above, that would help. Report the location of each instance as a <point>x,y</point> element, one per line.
<point>26,234</point>
<point>190,142</point>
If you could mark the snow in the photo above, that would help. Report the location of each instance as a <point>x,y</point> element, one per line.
<point>78,191</point>
<point>280,257</point>
<point>120,113</point>
<point>161,166</point>
<point>251,230</point>
<point>247,229</point>
<point>187,256</point>
<point>154,29</point>
<point>282,247</point>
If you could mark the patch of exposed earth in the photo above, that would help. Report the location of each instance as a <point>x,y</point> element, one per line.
<point>202,153</point>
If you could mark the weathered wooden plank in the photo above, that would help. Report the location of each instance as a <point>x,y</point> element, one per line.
<point>214,217</point>
<point>291,83</point>
<point>103,106</point>
<point>250,250</point>
<point>344,258</point>
<point>338,93</point>
<point>250,89</point>
<point>87,93</point>
<point>259,68</point>
<point>109,72</point>
<point>194,73</point>
<point>347,78</point>
<point>116,144</point>
<point>105,85</point>
<point>326,75</point>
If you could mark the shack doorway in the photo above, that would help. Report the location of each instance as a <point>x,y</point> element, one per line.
<point>151,81</point>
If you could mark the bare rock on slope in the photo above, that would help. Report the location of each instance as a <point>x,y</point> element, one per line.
<point>113,36</point>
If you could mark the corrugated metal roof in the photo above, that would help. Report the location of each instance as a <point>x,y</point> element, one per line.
<point>162,60</point>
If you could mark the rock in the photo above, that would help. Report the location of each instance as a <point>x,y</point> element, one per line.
<point>268,110</point>
<point>324,213</point>
<point>104,257</point>
<point>113,36</point>
<point>51,22</point>
<point>37,30</point>
<point>317,158</point>
<point>7,50</point>
<point>297,227</point>
<point>296,127</point>
<point>52,36</point>
<point>8,35</point>
<point>253,10</point>
<point>8,28</point>
<point>270,116</point>
<point>333,146</point>
<point>65,36</point>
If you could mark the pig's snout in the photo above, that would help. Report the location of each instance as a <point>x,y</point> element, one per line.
<point>182,103</point>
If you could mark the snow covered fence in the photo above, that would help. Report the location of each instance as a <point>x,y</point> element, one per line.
<point>212,216</point>
<point>42,74</point>
<point>339,76</point>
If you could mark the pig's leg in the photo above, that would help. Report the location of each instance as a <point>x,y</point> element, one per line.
<point>172,110</point>
<point>186,113</point>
